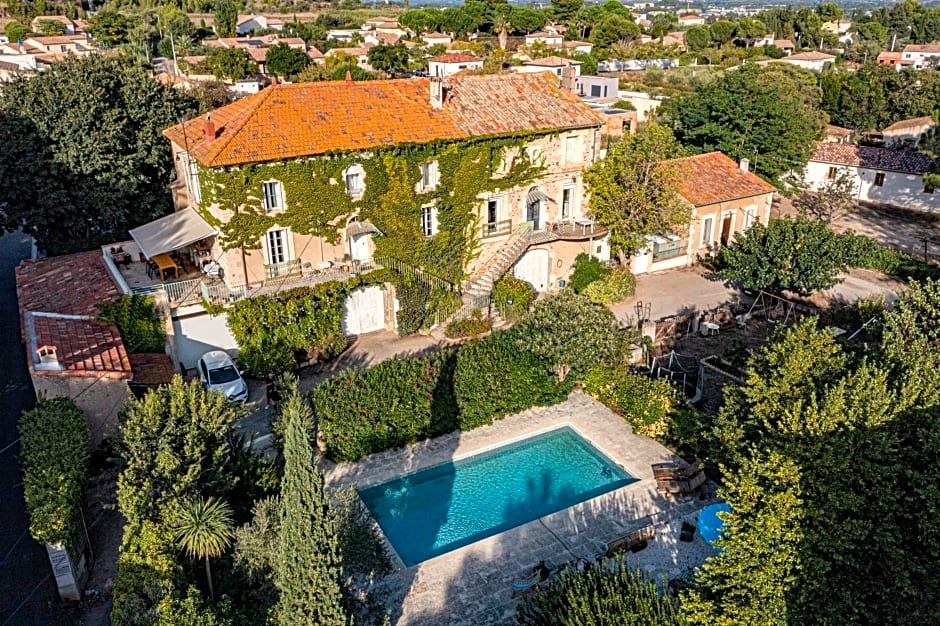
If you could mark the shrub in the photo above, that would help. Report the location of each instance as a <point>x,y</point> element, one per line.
<point>617,285</point>
<point>275,332</point>
<point>391,404</point>
<point>512,297</point>
<point>861,251</point>
<point>587,269</point>
<point>55,469</point>
<point>413,299</point>
<point>469,327</point>
<point>494,378</point>
<point>610,588</point>
<point>645,403</point>
<point>138,322</point>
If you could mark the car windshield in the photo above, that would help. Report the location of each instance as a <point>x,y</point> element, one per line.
<point>225,374</point>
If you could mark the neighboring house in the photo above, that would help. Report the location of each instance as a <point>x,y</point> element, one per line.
<point>766,40</point>
<point>549,64</point>
<point>342,34</point>
<point>920,56</point>
<point>257,47</point>
<point>644,103</point>
<point>691,19</point>
<point>433,39</point>
<point>784,44</point>
<point>908,133</point>
<point>70,353</point>
<point>890,58</point>
<point>316,56</point>
<point>813,61</point>
<point>725,198</point>
<point>881,175</point>
<point>449,64</point>
<point>535,227</point>
<point>360,54</point>
<point>573,47</point>
<point>838,27</point>
<point>596,86</point>
<point>377,37</point>
<point>12,66</point>
<point>61,45</point>
<point>248,24</point>
<point>837,134</point>
<point>550,39</point>
<point>70,26</point>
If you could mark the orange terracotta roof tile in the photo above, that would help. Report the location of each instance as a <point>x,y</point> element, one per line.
<point>83,346</point>
<point>714,177</point>
<point>71,284</point>
<point>914,122</point>
<point>871,157</point>
<point>306,119</point>
<point>454,57</point>
<point>553,61</point>
<point>151,369</point>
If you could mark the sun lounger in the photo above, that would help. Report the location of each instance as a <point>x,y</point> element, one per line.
<point>528,584</point>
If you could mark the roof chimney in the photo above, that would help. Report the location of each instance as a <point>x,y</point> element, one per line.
<point>47,358</point>
<point>437,92</point>
<point>210,128</point>
<point>348,77</point>
<point>568,78</point>
<point>744,165</point>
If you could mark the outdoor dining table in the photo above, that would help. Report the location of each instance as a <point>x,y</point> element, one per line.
<point>584,223</point>
<point>166,266</point>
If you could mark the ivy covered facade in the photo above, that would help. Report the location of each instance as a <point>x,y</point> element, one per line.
<point>440,177</point>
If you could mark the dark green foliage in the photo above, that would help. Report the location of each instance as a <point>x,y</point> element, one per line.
<point>54,453</point>
<point>862,251</point>
<point>275,332</point>
<point>413,297</point>
<point>82,166</point>
<point>607,594</point>
<point>876,96</point>
<point>309,568</point>
<point>230,63</point>
<point>494,378</point>
<point>512,297</point>
<point>138,322</point>
<point>360,543</point>
<point>587,269</point>
<point>110,28</point>
<point>389,58</point>
<point>15,32</point>
<point>648,405</point>
<point>798,255</point>
<point>618,284</point>
<point>391,404</point>
<point>471,326</point>
<point>191,610</point>
<point>225,17</point>
<point>771,116</point>
<point>282,60</point>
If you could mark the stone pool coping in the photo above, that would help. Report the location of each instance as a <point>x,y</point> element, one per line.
<point>472,585</point>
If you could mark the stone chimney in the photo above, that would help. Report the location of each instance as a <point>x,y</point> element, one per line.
<point>48,360</point>
<point>437,92</point>
<point>744,165</point>
<point>348,77</point>
<point>210,128</point>
<point>568,78</point>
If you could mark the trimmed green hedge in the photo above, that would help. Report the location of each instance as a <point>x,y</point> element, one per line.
<point>512,297</point>
<point>138,322</point>
<point>54,440</point>
<point>587,269</point>
<point>402,401</point>
<point>865,252</point>
<point>646,404</point>
<point>618,284</point>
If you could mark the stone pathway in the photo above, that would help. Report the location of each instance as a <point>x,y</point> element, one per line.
<point>472,586</point>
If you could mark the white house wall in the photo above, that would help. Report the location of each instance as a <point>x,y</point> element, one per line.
<point>899,189</point>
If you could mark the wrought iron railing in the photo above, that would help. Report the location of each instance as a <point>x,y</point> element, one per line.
<point>283,269</point>
<point>497,229</point>
<point>409,270</point>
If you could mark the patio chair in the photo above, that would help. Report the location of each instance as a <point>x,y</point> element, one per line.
<point>527,584</point>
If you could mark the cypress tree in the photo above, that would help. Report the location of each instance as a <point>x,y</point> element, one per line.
<point>309,568</point>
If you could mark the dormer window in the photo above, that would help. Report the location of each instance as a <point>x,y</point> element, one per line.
<point>272,196</point>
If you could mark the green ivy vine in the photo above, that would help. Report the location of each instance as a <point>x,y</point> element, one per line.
<point>315,194</point>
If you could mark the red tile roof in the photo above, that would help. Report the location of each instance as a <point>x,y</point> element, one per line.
<point>838,131</point>
<point>71,284</point>
<point>455,58</point>
<point>928,48</point>
<point>869,157</point>
<point>151,369</point>
<point>809,56</point>
<point>554,61</point>
<point>714,177</point>
<point>84,347</point>
<point>306,119</point>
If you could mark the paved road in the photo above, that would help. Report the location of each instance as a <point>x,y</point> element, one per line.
<point>27,590</point>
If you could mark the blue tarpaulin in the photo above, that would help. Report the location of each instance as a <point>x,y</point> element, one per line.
<point>709,524</point>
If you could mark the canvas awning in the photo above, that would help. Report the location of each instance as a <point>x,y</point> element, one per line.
<point>362,228</point>
<point>172,232</point>
<point>536,195</point>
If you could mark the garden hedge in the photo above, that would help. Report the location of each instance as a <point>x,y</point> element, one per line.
<point>646,404</point>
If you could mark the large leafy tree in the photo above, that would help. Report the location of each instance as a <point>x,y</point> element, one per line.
<point>110,28</point>
<point>230,63</point>
<point>309,568</point>
<point>564,11</point>
<point>389,58</point>
<point>83,159</point>
<point>282,60</point>
<point>789,254</point>
<point>225,17</point>
<point>633,189</point>
<point>203,529</point>
<point>771,116</point>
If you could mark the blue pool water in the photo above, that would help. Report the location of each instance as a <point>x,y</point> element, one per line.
<point>454,504</point>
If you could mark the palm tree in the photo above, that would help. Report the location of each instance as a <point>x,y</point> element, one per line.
<point>203,529</point>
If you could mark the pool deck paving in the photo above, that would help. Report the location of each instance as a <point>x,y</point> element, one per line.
<point>472,586</point>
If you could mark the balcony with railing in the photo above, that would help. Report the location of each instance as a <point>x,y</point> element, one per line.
<point>285,269</point>
<point>497,229</point>
<point>666,247</point>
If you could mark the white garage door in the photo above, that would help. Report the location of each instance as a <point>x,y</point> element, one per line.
<point>364,311</point>
<point>533,268</point>
<point>197,334</point>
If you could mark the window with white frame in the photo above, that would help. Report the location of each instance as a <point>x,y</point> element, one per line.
<point>272,195</point>
<point>750,216</point>
<point>429,224</point>
<point>707,230</point>
<point>572,148</point>
<point>429,176</point>
<point>191,168</point>
<point>278,246</point>
<point>354,177</point>
<point>567,201</point>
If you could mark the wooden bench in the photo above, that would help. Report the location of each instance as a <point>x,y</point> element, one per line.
<point>634,541</point>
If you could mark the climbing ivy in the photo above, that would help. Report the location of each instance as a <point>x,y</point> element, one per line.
<point>315,194</point>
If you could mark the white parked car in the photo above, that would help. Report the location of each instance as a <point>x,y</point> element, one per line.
<point>219,373</point>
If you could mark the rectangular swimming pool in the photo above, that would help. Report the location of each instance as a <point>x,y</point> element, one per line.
<point>454,504</point>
